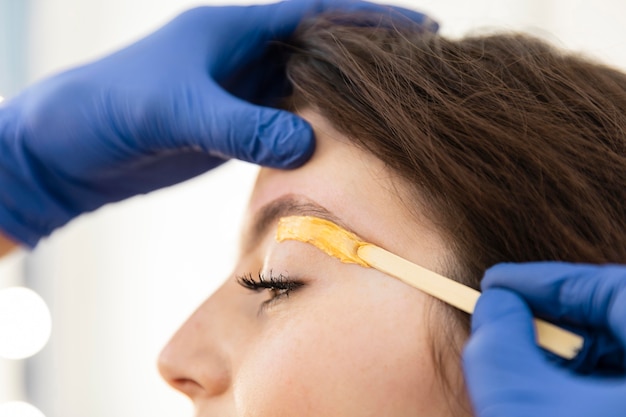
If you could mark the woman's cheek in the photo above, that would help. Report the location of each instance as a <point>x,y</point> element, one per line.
<point>335,357</point>
<point>290,368</point>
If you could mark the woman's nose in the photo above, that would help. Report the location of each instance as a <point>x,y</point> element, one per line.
<point>198,359</point>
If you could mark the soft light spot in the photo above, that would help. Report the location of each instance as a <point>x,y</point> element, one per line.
<point>25,323</point>
<point>19,409</point>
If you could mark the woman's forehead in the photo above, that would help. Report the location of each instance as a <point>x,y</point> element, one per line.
<point>358,190</point>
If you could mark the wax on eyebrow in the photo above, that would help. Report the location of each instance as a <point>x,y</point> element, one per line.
<point>323,234</point>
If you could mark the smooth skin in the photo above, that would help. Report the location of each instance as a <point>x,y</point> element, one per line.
<point>350,341</point>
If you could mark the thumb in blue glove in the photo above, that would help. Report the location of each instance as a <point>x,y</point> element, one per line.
<point>165,109</point>
<point>508,375</point>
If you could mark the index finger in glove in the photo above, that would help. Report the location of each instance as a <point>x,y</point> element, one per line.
<point>586,295</point>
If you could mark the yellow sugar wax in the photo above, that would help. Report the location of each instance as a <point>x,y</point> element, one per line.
<point>323,234</point>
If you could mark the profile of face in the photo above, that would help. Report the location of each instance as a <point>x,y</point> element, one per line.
<point>294,332</point>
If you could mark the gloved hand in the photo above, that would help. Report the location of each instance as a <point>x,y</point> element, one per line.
<point>165,109</point>
<point>509,376</point>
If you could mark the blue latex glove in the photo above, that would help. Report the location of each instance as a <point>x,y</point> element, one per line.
<point>509,376</point>
<point>163,110</point>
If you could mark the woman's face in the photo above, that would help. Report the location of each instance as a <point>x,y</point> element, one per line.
<point>332,339</point>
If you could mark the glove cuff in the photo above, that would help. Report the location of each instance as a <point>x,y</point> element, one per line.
<point>13,199</point>
<point>15,229</point>
<point>24,205</point>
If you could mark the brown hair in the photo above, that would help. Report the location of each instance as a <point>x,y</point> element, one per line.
<point>518,149</point>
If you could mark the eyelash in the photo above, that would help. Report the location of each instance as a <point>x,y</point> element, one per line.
<point>280,286</point>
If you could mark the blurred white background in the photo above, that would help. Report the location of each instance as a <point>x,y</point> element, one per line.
<point>121,280</point>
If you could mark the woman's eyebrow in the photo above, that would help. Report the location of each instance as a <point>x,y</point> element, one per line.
<point>288,205</point>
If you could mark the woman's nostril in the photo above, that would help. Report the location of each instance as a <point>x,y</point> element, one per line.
<point>188,387</point>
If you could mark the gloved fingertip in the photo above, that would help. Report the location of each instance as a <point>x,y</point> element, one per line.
<point>425,21</point>
<point>430,24</point>
<point>287,140</point>
<point>499,305</point>
<point>496,273</point>
<point>502,328</point>
<point>525,276</point>
<point>398,15</point>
